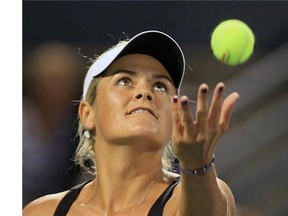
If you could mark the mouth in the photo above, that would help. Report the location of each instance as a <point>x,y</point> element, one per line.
<point>142,110</point>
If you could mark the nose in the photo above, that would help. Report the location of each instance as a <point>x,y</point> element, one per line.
<point>144,94</point>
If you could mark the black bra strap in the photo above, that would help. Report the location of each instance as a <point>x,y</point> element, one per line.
<point>158,206</point>
<point>67,201</point>
<point>156,210</point>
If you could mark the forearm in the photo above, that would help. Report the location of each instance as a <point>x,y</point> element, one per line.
<point>202,195</point>
<point>194,143</point>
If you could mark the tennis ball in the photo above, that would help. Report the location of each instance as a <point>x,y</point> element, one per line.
<point>232,42</point>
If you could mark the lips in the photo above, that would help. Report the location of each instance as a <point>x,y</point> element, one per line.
<point>142,110</point>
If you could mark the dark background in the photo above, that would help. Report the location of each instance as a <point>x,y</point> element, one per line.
<point>252,156</point>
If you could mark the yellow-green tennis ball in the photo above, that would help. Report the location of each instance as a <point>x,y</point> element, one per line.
<point>232,42</point>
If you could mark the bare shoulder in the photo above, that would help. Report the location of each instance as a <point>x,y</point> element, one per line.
<point>229,196</point>
<point>44,206</point>
<point>173,202</point>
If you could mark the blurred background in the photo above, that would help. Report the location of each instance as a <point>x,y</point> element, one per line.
<point>59,38</point>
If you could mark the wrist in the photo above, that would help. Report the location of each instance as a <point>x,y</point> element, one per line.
<point>198,171</point>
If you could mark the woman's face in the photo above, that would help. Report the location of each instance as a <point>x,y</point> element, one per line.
<point>133,102</point>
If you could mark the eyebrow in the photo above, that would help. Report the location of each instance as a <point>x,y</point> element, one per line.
<point>156,76</point>
<point>123,71</point>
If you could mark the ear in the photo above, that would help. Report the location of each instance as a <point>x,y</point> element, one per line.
<point>86,114</point>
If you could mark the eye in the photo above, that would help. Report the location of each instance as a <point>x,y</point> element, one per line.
<point>125,81</point>
<point>160,87</point>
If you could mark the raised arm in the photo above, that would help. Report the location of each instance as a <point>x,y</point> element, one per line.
<point>194,143</point>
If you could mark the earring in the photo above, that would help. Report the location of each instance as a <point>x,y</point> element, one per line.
<point>87,134</point>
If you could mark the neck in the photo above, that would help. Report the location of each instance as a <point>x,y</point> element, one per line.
<point>124,174</point>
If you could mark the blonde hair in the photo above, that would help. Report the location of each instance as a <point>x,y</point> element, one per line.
<point>85,152</point>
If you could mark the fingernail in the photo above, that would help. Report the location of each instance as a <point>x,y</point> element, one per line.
<point>204,90</point>
<point>221,89</point>
<point>175,99</point>
<point>184,102</point>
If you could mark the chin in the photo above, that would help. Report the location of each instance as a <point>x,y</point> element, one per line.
<point>144,132</point>
<point>145,135</point>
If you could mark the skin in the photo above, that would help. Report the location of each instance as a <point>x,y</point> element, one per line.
<point>129,145</point>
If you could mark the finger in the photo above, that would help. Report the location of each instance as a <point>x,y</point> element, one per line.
<point>227,109</point>
<point>216,106</point>
<point>177,128</point>
<point>187,119</point>
<point>202,109</point>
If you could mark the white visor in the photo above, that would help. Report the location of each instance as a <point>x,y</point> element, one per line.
<point>153,43</point>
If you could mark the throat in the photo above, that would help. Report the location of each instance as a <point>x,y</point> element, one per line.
<point>127,207</point>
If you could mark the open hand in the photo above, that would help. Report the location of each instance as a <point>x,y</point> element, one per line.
<point>195,140</point>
